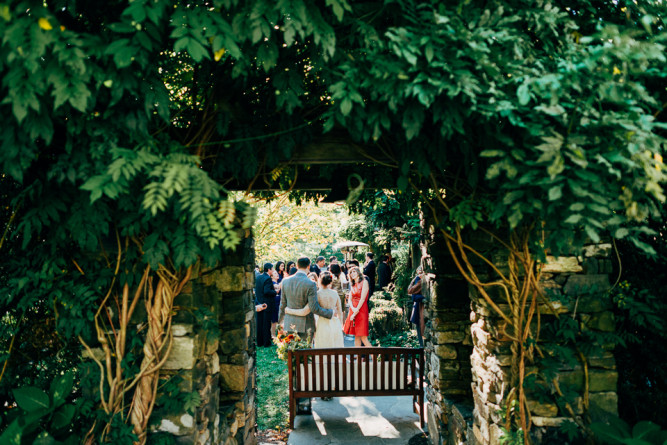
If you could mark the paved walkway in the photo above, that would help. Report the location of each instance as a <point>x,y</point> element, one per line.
<point>357,420</point>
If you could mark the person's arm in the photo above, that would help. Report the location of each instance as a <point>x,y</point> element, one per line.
<point>339,310</point>
<point>269,290</point>
<point>281,310</point>
<point>364,294</point>
<point>314,305</point>
<point>298,312</point>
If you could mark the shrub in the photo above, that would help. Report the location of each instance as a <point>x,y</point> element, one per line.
<point>385,316</point>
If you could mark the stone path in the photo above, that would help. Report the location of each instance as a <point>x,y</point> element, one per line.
<point>357,420</point>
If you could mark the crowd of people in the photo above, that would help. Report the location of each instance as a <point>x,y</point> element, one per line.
<point>289,294</point>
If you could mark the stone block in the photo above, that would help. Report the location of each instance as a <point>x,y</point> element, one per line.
<point>184,353</point>
<point>562,264</point>
<point>549,421</point>
<point>543,409</point>
<point>445,352</point>
<point>602,321</point>
<point>177,425</point>
<point>578,285</point>
<point>603,405</point>
<point>233,341</point>
<point>212,364</point>
<point>181,329</point>
<point>602,359</point>
<point>598,250</point>
<point>226,279</point>
<point>591,266</point>
<point>232,377</point>
<point>602,380</point>
<point>440,338</point>
<point>212,346</point>
<point>434,424</point>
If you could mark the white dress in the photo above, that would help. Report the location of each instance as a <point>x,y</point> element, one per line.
<point>328,332</point>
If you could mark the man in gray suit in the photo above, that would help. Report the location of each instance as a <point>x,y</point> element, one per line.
<point>299,290</point>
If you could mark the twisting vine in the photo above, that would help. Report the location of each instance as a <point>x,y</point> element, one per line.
<point>158,288</point>
<point>520,287</point>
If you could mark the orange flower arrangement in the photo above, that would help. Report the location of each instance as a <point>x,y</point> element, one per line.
<point>289,342</point>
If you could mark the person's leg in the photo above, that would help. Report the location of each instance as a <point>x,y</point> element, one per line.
<point>419,335</point>
<point>364,340</point>
<point>264,323</point>
<point>260,328</point>
<point>357,340</point>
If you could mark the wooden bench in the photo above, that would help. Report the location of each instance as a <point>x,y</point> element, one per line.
<point>343,372</point>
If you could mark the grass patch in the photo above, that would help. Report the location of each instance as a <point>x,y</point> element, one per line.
<point>272,390</point>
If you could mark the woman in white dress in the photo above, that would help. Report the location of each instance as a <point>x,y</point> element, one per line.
<point>328,332</point>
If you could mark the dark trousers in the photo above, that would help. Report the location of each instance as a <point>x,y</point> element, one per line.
<point>264,325</point>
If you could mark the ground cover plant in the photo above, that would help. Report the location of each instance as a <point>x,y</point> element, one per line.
<point>272,390</point>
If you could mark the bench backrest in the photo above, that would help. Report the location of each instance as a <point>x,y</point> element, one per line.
<point>342,370</point>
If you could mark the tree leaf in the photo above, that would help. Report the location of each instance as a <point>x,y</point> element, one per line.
<point>555,192</point>
<point>63,417</point>
<point>61,387</point>
<point>30,398</point>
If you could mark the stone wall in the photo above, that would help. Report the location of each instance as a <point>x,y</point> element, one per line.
<point>220,366</point>
<point>448,344</point>
<point>576,290</point>
<point>468,366</point>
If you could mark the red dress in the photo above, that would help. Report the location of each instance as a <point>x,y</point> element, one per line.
<point>360,328</point>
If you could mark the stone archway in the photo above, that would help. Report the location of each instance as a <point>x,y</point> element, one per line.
<point>467,361</point>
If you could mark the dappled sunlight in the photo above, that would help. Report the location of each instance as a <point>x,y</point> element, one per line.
<point>360,408</point>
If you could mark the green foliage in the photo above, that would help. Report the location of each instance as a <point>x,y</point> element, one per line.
<point>509,436</point>
<point>172,400</point>
<point>402,339</point>
<point>385,315</point>
<point>617,432</point>
<point>42,418</point>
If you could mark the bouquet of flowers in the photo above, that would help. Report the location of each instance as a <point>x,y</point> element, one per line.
<point>289,342</point>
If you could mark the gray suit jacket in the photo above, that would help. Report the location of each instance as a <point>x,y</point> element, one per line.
<point>299,290</point>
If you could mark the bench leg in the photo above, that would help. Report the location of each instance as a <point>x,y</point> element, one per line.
<point>292,411</point>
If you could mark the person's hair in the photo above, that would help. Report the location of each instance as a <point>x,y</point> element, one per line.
<point>333,258</point>
<point>383,258</point>
<point>312,275</point>
<point>289,265</point>
<point>278,264</point>
<point>268,267</point>
<point>292,270</point>
<point>369,255</point>
<point>320,258</point>
<point>360,276</point>
<point>335,270</point>
<point>354,263</point>
<point>303,262</point>
<point>325,279</point>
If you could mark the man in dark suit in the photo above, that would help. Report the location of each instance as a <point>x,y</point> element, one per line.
<point>369,271</point>
<point>299,291</point>
<point>384,272</point>
<point>265,293</point>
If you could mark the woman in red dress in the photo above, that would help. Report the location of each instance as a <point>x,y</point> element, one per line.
<point>358,315</point>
